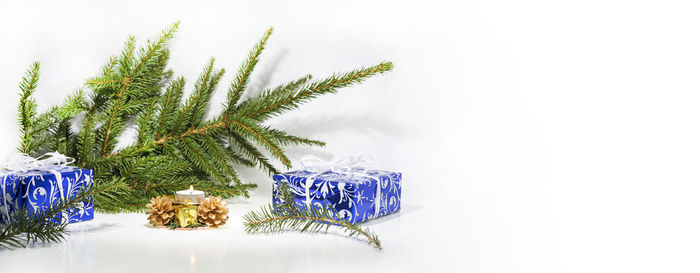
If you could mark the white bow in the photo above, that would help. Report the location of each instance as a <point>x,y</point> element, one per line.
<point>22,163</point>
<point>340,164</point>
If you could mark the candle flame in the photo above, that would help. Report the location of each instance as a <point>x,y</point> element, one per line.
<point>191,188</point>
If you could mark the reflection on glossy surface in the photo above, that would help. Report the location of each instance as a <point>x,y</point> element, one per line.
<point>123,243</point>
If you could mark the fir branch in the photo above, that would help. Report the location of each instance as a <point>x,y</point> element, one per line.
<point>239,85</point>
<point>86,138</point>
<point>168,105</point>
<point>250,129</point>
<point>237,157</point>
<point>222,158</point>
<point>27,107</point>
<point>289,216</point>
<point>196,154</point>
<point>144,123</point>
<point>126,66</point>
<point>73,105</point>
<point>200,94</point>
<point>100,95</point>
<point>328,85</point>
<point>273,96</point>
<point>127,58</point>
<point>107,70</point>
<point>269,107</point>
<point>247,148</point>
<point>200,108</point>
<point>50,130</point>
<point>285,139</point>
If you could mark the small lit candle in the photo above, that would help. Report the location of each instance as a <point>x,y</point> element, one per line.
<point>190,196</point>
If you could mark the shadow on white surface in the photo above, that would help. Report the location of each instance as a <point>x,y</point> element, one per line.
<point>238,201</point>
<point>265,73</point>
<point>405,209</point>
<point>91,226</point>
<point>314,125</point>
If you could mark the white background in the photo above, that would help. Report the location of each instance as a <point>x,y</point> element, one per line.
<point>534,136</point>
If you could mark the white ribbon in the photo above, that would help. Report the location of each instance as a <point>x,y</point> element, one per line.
<point>348,165</point>
<point>23,164</point>
<point>341,164</point>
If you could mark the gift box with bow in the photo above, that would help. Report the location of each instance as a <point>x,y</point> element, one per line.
<point>36,184</point>
<point>345,185</point>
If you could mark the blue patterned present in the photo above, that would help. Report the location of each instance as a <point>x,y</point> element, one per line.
<point>37,184</point>
<point>42,189</point>
<point>9,196</point>
<point>356,194</point>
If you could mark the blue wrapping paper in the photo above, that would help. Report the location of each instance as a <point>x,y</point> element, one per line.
<point>38,190</point>
<point>9,196</point>
<point>356,196</point>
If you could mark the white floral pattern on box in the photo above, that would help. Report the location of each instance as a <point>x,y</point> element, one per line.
<point>9,199</point>
<point>356,196</point>
<point>38,190</point>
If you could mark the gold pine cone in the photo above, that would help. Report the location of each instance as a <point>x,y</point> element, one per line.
<point>161,211</point>
<point>212,212</point>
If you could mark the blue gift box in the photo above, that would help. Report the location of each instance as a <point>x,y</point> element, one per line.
<point>356,196</point>
<point>38,190</point>
<point>9,196</point>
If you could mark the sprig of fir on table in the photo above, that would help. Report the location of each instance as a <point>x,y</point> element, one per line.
<point>287,215</point>
<point>175,145</point>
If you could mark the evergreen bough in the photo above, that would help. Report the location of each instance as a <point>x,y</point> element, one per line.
<point>289,216</point>
<point>175,146</point>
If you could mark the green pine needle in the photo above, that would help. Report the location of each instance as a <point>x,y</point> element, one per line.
<point>27,107</point>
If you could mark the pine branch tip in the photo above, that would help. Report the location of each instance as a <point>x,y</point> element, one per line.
<point>386,66</point>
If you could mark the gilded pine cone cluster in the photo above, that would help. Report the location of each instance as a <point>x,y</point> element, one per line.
<point>161,211</point>
<point>212,212</point>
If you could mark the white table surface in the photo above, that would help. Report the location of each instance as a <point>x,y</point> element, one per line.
<point>124,243</point>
